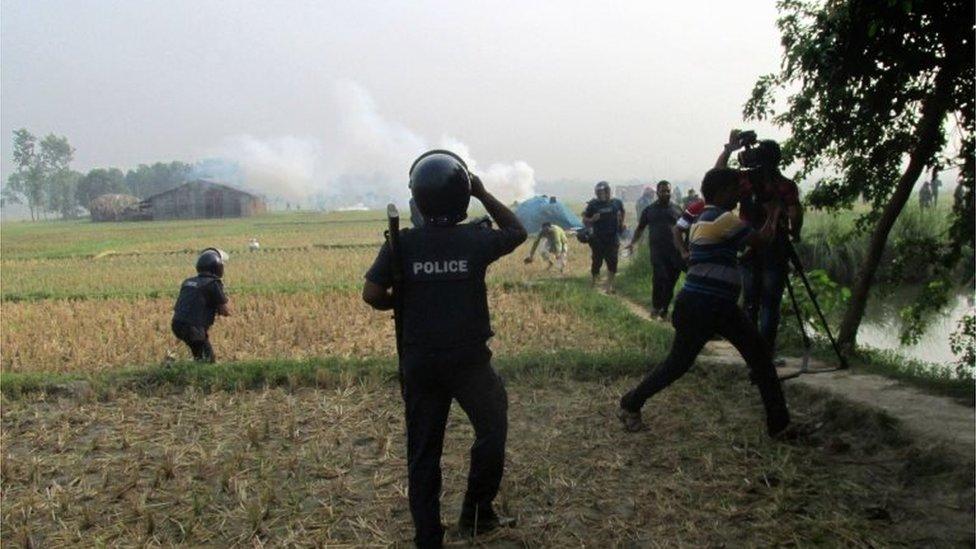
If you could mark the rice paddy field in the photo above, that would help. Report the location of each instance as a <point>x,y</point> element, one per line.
<point>111,438</point>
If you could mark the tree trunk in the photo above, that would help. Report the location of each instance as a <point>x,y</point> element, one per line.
<point>927,133</point>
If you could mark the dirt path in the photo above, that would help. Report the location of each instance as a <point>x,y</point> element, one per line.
<point>938,419</point>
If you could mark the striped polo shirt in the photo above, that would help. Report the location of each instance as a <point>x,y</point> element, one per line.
<point>714,240</point>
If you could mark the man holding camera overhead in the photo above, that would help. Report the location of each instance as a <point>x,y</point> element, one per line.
<point>763,190</point>
<point>708,304</point>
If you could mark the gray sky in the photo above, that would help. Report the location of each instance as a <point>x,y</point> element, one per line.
<point>599,90</point>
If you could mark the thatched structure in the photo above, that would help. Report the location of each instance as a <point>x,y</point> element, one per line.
<point>200,199</point>
<point>112,207</point>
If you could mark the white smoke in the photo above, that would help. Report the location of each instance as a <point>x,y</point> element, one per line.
<point>363,159</point>
<point>508,182</point>
<point>284,166</point>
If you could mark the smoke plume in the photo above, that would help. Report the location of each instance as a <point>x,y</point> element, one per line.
<point>362,160</point>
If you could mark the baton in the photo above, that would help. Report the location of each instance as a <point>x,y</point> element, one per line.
<point>392,235</point>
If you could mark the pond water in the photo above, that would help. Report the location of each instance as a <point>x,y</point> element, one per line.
<point>882,325</point>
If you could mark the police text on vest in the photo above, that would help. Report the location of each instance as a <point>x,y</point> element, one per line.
<point>440,267</point>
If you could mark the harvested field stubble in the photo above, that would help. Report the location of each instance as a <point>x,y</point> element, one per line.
<point>83,238</point>
<point>305,268</point>
<point>147,275</point>
<point>327,466</point>
<point>96,335</point>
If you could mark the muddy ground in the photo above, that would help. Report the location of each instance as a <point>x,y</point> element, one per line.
<point>322,466</point>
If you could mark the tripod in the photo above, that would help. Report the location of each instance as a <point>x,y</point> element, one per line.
<point>794,259</point>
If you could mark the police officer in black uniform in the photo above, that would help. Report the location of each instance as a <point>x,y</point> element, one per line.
<point>201,298</point>
<point>444,351</point>
<point>605,217</point>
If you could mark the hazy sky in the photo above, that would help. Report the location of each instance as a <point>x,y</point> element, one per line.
<point>597,90</point>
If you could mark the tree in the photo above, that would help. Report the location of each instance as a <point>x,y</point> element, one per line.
<point>14,191</point>
<point>147,180</point>
<point>99,181</point>
<point>873,84</point>
<point>26,184</point>
<point>61,196</point>
<point>59,180</point>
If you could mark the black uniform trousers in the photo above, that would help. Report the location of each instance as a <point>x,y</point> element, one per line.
<point>196,338</point>
<point>603,249</point>
<point>697,317</point>
<point>666,268</point>
<point>431,380</point>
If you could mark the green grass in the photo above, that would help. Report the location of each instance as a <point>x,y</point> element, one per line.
<point>83,238</point>
<point>606,311</point>
<point>634,279</point>
<point>317,372</point>
<point>831,242</point>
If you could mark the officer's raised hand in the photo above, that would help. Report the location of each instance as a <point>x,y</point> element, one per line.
<point>734,142</point>
<point>477,187</point>
<point>499,212</point>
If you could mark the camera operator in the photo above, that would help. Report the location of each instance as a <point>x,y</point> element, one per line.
<point>763,191</point>
<point>707,305</point>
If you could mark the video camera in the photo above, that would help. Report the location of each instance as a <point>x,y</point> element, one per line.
<point>759,160</point>
<point>758,154</point>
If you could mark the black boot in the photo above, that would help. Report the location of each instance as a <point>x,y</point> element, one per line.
<point>481,519</point>
<point>777,415</point>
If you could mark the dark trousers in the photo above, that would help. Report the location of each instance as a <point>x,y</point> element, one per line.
<point>666,270</point>
<point>431,380</point>
<point>603,251</point>
<point>696,319</point>
<point>763,282</point>
<point>196,338</point>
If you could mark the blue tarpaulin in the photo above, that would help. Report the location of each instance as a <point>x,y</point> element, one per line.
<point>539,209</point>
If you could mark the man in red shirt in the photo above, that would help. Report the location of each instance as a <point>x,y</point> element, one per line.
<point>764,272</point>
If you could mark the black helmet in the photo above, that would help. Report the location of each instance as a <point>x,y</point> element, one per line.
<point>211,261</point>
<point>602,186</point>
<point>441,187</point>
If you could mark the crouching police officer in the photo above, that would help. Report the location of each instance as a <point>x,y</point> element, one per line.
<point>201,298</point>
<point>445,329</point>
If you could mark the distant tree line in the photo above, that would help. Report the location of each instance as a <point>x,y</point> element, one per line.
<point>44,181</point>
